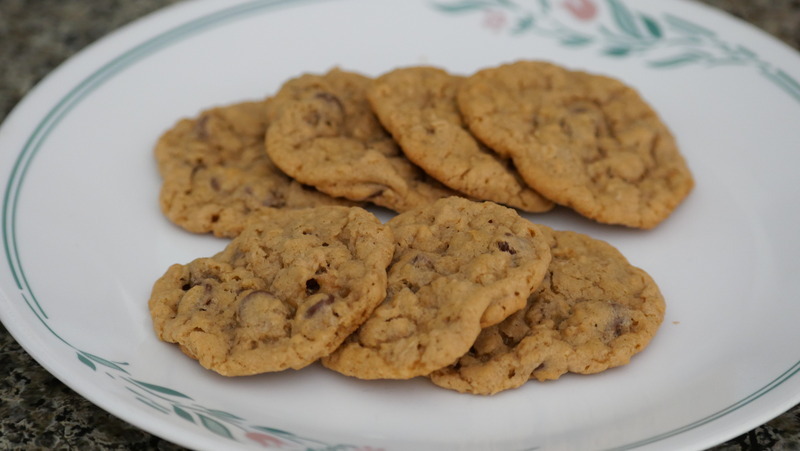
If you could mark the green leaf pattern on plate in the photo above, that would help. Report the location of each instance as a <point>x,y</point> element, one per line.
<point>159,389</point>
<point>215,426</point>
<point>225,424</point>
<point>664,42</point>
<point>624,19</point>
<point>90,360</point>
<point>182,413</point>
<point>87,362</point>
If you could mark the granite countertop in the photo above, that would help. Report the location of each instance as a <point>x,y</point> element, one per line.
<point>39,412</point>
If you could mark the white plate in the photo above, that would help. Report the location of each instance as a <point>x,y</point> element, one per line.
<point>84,239</point>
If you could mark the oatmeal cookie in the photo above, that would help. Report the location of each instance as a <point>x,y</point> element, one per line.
<point>593,311</point>
<point>457,265</point>
<point>417,105</point>
<point>215,172</point>
<point>326,135</point>
<point>585,141</point>
<point>282,294</point>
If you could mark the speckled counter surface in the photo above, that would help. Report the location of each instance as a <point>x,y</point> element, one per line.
<point>39,412</point>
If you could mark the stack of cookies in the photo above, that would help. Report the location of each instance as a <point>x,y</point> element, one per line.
<point>528,135</point>
<point>457,287</point>
<point>467,293</point>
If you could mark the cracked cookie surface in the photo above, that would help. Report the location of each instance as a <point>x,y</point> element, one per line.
<point>457,265</point>
<point>417,105</point>
<point>215,172</point>
<point>282,294</point>
<point>585,141</point>
<point>325,134</point>
<point>593,311</point>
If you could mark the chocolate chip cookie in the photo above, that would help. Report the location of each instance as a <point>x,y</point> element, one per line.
<point>326,135</point>
<point>457,265</point>
<point>285,292</point>
<point>593,311</point>
<point>215,172</point>
<point>585,141</point>
<point>417,105</point>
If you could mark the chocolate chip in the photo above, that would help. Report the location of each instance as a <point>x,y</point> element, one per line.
<point>619,327</point>
<point>330,98</point>
<point>312,118</point>
<point>508,340</point>
<point>254,303</point>
<point>409,284</point>
<point>422,261</point>
<point>207,300</point>
<point>256,293</point>
<point>199,166</point>
<point>215,184</point>
<point>312,286</point>
<point>200,128</point>
<point>505,247</point>
<point>328,300</point>
<point>621,323</point>
<point>193,282</point>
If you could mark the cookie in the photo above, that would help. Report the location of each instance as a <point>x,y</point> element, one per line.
<point>585,141</point>
<point>457,265</point>
<point>593,311</point>
<point>326,135</point>
<point>216,173</point>
<point>286,291</point>
<point>417,105</point>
